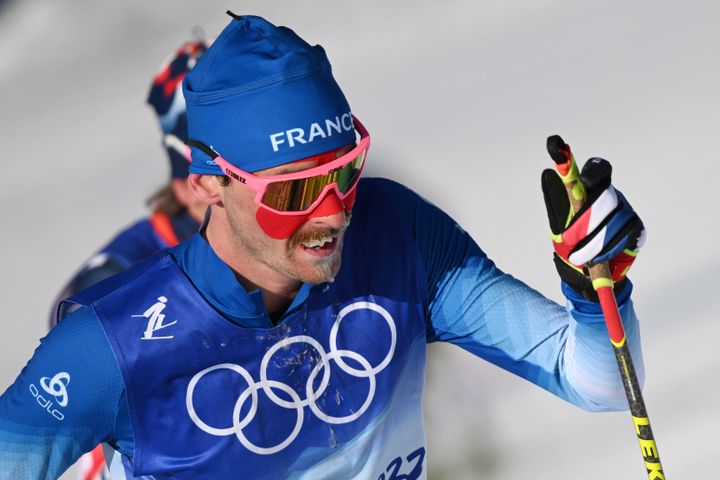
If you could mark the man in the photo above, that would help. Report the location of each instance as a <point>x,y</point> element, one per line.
<point>176,213</point>
<point>285,340</point>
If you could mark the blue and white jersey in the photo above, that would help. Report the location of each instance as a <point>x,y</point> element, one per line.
<point>188,378</point>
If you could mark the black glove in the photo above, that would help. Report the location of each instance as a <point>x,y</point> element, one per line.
<point>605,229</point>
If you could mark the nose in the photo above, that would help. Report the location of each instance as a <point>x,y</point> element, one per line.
<point>330,212</point>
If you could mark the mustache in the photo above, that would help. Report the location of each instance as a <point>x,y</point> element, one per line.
<point>318,233</point>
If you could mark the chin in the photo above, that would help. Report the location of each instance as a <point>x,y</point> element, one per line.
<point>322,273</point>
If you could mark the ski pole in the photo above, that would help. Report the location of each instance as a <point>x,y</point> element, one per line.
<point>603,284</point>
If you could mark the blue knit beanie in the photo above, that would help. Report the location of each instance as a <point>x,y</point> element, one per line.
<point>261,96</point>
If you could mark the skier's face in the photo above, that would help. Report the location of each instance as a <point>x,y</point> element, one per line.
<point>311,250</point>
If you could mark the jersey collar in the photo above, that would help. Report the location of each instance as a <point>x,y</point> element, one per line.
<point>218,285</point>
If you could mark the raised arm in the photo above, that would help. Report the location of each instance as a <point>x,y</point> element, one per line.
<point>475,305</point>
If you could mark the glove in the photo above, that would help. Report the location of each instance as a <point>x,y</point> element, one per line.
<point>605,229</point>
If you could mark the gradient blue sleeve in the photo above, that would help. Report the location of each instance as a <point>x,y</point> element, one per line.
<point>474,305</point>
<point>64,402</point>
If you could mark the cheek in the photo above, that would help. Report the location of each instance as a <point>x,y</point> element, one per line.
<point>240,208</point>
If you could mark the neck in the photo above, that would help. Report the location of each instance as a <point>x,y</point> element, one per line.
<point>197,211</point>
<point>278,290</point>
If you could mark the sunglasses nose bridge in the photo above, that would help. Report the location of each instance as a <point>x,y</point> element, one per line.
<point>329,204</point>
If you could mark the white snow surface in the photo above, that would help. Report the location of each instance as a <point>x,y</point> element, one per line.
<point>459,97</point>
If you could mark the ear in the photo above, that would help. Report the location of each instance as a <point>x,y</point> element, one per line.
<point>206,188</point>
<point>183,192</point>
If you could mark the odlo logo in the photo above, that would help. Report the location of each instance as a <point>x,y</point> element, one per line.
<point>57,387</point>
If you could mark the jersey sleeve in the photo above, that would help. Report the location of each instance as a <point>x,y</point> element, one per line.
<point>475,305</point>
<point>64,402</point>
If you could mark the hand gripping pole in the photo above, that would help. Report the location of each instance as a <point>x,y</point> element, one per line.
<point>603,284</point>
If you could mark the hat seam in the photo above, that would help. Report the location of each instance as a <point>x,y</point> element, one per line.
<point>266,82</point>
<point>269,39</point>
<point>211,54</point>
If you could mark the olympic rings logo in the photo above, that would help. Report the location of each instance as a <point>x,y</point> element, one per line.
<point>311,394</point>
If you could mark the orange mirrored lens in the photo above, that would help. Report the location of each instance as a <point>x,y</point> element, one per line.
<point>298,195</point>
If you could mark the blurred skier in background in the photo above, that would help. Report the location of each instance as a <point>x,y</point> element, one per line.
<point>175,212</point>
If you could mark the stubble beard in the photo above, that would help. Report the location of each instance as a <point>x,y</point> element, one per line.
<point>324,271</point>
<point>313,273</point>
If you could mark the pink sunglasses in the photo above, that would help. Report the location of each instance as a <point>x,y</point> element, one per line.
<point>299,192</point>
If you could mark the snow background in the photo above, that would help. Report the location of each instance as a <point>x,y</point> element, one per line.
<point>459,97</point>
